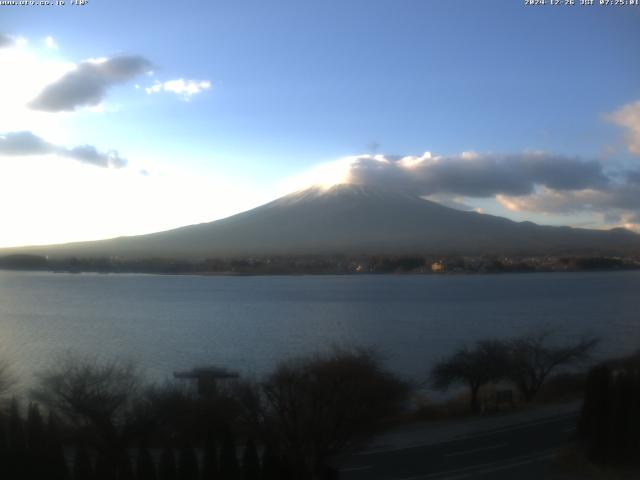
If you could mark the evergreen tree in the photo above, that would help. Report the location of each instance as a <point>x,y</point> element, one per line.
<point>106,467</point>
<point>17,439</point>
<point>270,464</point>
<point>36,435</point>
<point>146,469</point>
<point>610,418</point>
<point>600,447</point>
<point>167,469</point>
<point>285,470</point>
<point>210,459</point>
<point>82,468</point>
<point>17,462</point>
<point>634,420</point>
<point>187,463</point>
<point>125,470</point>
<point>586,424</point>
<point>56,461</point>
<point>4,445</point>
<point>250,462</point>
<point>36,445</point>
<point>229,468</point>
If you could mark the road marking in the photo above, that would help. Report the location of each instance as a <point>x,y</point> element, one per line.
<point>481,449</point>
<point>483,468</point>
<point>508,466</point>
<point>520,426</point>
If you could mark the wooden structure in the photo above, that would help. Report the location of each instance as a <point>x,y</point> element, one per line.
<point>206,378</point>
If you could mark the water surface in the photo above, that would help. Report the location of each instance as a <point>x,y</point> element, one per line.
<point>250,323</point>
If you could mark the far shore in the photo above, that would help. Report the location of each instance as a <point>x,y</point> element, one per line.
<point>414,264</point>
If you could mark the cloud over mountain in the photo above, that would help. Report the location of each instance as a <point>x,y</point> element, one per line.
<point>88,83</point>
<point>535,182</point>
<point>478,175</point>
<point>619,204</point>
<point>15,144</point>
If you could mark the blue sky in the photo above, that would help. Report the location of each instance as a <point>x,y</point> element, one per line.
<point>285,86</point>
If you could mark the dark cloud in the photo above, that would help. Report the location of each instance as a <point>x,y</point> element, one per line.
<point>626,196</point>
<point>89,154</point>
<point>477,175</point>
<point>633,177</point>
<point>16,144</point>
<point>24,143</point>
<point>89,82</point>
<point>618,203</point>
<point>535,182</point>
<point>6,40</point>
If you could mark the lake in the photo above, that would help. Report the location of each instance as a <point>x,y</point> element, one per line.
<point>166,323</point>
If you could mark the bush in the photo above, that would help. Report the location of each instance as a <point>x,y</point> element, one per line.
<point>317,407</point>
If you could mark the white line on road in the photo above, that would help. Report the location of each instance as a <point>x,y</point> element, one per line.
<point>375,451</point>
<point>481,449</point>
<point>483,468</point>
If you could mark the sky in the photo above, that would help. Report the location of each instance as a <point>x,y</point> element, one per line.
<point>121,118</point>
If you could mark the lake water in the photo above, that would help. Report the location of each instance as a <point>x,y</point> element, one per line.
<point>248,324</point>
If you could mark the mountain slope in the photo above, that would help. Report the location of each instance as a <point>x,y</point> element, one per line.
<point>353,219</point>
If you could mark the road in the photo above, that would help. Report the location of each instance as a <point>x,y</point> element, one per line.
<point>521,451</point>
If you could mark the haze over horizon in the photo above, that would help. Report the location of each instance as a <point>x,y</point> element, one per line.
<point>192,114</point>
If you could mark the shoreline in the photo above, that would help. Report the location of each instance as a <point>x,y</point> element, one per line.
<point>323,274</point>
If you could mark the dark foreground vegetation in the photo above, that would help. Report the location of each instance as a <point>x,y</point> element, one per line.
<point>86,419</point>
<point>103,422</point>
<point>336,264</point>
<point>609,426</point>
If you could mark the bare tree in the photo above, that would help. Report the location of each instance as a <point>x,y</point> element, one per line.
<point>317,407</point>
<point>92,394</point>
<point>533,357</point>
<point>474,367</point>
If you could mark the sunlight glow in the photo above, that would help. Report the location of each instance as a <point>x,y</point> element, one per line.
<point>24,75</point>
<point>54,200</point>
<point>324,175</point>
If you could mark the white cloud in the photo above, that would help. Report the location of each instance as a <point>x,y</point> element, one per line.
<point>184,88</point>
<point>51,43</point>
<point>628,117</point>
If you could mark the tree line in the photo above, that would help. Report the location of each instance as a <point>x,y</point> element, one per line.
<point>105,423</point>
<point>318,264</point>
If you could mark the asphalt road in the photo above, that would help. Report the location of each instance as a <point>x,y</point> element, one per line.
<point>521,451</point>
